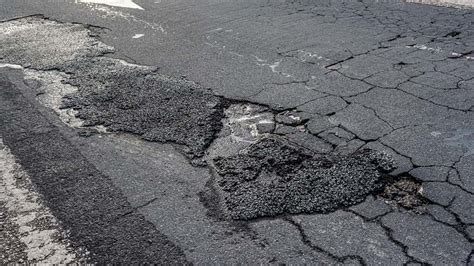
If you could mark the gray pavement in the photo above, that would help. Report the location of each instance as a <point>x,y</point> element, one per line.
<point>244,132</point>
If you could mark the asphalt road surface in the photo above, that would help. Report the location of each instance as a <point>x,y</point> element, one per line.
<point>237,132</point>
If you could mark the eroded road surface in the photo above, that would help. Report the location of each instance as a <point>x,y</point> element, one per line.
<point>236,132</point>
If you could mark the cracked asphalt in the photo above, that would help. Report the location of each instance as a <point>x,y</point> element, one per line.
<point>237,132</point>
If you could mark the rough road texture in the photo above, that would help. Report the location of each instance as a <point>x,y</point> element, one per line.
<point>28,226</point>
<point>94,212</point>
<point>384,75</point>
<point>135,100</point>
<point>272,177</point>
<point>112,93</point>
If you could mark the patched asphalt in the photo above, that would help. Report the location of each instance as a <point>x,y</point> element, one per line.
<point>329,78</point>
<point>272,178</point>
<point>136,100</point>
<point>94,212</point>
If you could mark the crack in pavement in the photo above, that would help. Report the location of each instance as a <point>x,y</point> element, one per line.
<point>29,230</point>
<point>82,199</point>
<point>92,114</point>
<point>306,240</point>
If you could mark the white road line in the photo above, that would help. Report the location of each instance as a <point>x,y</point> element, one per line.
<point>38,228</point>
<point>136,36</point>
<point>117,3</point>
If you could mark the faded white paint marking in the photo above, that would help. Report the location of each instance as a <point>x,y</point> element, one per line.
<point>108,12</point>
<point>214,30</point>
<point>424,47</point>
<point>117,3</point>
<point>296,118</point>
<point>242,121</point>
<point>11,66</point>
<point>273,66</point>
<point>259,59</point>
<point>38,228</point>
<point>438,50</point>
<point>136,36</point>
<point>305,56</point>
<point>454,3</point>
<point>52,92</point>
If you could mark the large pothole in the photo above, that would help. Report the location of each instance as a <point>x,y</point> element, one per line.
<point>132,99</point>
<point>67,59</point>
<point>272,177</point>
<point>258,173</point>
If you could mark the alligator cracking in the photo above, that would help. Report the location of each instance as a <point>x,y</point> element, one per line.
<point>257,173</point>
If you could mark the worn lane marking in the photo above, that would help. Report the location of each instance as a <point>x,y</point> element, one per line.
<point>107,12</point>
<point>11,66</point>
<point>117,3</point>
<point>51,92</point>
<point>45,242</point>
<point>136,36</point>
<point>456,3</point>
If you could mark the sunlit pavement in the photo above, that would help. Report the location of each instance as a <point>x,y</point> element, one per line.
<point>236,132</point>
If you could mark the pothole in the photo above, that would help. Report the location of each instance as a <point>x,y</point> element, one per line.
<point>243,125</point>
<point>88,90</point>
<point>51,91</point>
<point>273,177</point>
<point>406,193</point>
<point>258,174</point>
<point>137,100</point>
